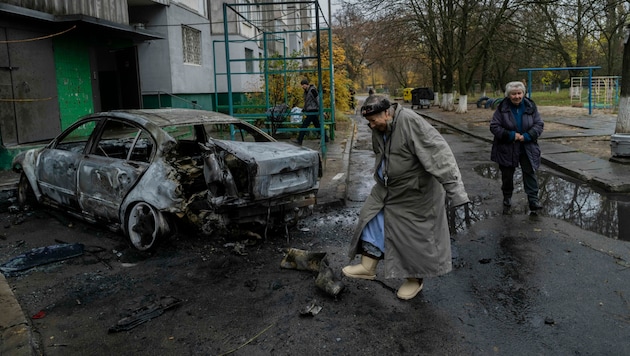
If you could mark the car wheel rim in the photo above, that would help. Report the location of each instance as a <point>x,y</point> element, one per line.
<point>24,192</point>
<point>143,226</point>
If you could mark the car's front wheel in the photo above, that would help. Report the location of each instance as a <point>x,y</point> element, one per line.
<point>146,226</point>
<point>25,194</point>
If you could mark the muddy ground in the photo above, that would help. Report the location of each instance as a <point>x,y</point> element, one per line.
<point>231,296</point>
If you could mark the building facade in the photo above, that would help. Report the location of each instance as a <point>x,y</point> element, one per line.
<point>62,59</point>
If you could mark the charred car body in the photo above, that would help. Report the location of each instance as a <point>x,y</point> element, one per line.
<point>146,171</point>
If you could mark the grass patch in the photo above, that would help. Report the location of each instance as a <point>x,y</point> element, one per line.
<point>552,98</point>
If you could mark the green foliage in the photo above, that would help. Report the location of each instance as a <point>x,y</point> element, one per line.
<point>343,84</point>
<point>283,82</point>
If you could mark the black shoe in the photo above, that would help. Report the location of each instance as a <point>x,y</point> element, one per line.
<point>507,202</point>
<point>535,206</point>
<point>296,142</point>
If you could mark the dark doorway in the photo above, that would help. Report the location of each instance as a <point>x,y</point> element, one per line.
<point>118,79</point>
<point>108,88</point>
<point>127,65</point>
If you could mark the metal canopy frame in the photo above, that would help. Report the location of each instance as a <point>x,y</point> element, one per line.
<point>270,33</point>
<point>590,81</point>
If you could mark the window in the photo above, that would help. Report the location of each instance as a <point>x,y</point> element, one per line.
<point>247,10</point>
<point>191,39</point>
<point>235,132</point>
<point>249,60</point>
<point>77,138</point>
<point>124,141</point>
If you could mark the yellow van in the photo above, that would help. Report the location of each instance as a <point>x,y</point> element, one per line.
<point>407,95</point>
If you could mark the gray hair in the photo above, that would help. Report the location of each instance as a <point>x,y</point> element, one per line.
<point>513,86</point>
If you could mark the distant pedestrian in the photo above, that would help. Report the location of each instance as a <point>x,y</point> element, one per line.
<point>311,109</point>
<point>351,99</point>
<point>516,126</point>
<point>404,220</point>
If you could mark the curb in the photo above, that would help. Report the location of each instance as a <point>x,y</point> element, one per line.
<point>16,334</point>
<point>603,174</point>
<point>333,184</point>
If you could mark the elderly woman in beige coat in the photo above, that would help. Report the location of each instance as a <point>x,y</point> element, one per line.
<point>403,222</point>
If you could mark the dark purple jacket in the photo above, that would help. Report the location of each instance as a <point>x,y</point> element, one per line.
<point>504,150</point>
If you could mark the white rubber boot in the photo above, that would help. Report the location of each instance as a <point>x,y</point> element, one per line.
<point>364,270</point>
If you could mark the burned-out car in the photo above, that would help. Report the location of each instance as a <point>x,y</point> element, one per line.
<point>146,172</point>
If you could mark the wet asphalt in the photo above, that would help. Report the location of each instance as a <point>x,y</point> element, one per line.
<point>535,284</point>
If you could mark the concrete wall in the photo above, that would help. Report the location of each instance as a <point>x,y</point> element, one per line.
<point>154,56</point>
<point>198,6</point>
<point>240,81</point>
<point>189,78</point>
<point>111,10</point>
<point>161,61</point>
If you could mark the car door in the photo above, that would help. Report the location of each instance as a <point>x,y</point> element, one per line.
<point>118,157</point>
<point>58,164</point>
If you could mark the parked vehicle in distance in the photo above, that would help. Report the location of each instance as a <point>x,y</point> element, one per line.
<point>421,97</point>
<point>145,172</point>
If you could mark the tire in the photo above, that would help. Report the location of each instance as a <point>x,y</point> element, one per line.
<point>482,101</point>
<point>146,227</point>
<point>25,195</point>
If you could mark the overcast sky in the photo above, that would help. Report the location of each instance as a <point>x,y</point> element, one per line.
<point>324,5</point>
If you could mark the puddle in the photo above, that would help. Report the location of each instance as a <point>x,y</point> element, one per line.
<point>569,200</point>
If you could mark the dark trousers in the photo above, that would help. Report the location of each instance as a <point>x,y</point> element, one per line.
<point>530,182</point>
<point>306,123</point>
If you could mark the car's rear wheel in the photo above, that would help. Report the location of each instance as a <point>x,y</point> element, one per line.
<point>146,226</point>
<point>26,196</point>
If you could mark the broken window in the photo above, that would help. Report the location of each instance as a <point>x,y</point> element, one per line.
<point>76,139</point>
<point>234,132</point>
<point>124,141</point>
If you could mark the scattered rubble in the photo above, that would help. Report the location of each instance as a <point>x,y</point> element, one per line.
<point>317,262</point>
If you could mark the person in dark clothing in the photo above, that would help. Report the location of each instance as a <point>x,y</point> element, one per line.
<point>516,126</point>
<point>351,99</point>
<point>311,109</point>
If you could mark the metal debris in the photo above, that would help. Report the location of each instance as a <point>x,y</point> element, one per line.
<point>317,262</point>
<point>311,309</point>
<point>42,255</point>
<point>145,313</point>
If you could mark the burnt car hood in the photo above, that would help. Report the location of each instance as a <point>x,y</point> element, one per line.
<point>275,168</point>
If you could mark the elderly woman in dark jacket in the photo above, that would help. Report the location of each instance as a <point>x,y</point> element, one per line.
<point>516,126</point>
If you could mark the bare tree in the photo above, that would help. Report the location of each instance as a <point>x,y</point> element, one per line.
<point>464,42</point>
<point>355,37</point>
<point>458,34</point>
<point>623,117</point>
<point>609,18</point>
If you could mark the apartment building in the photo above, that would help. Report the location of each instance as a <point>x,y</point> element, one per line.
<point>61,59</point>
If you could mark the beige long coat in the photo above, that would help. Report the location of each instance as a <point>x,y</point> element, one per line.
<point>421,171</point>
